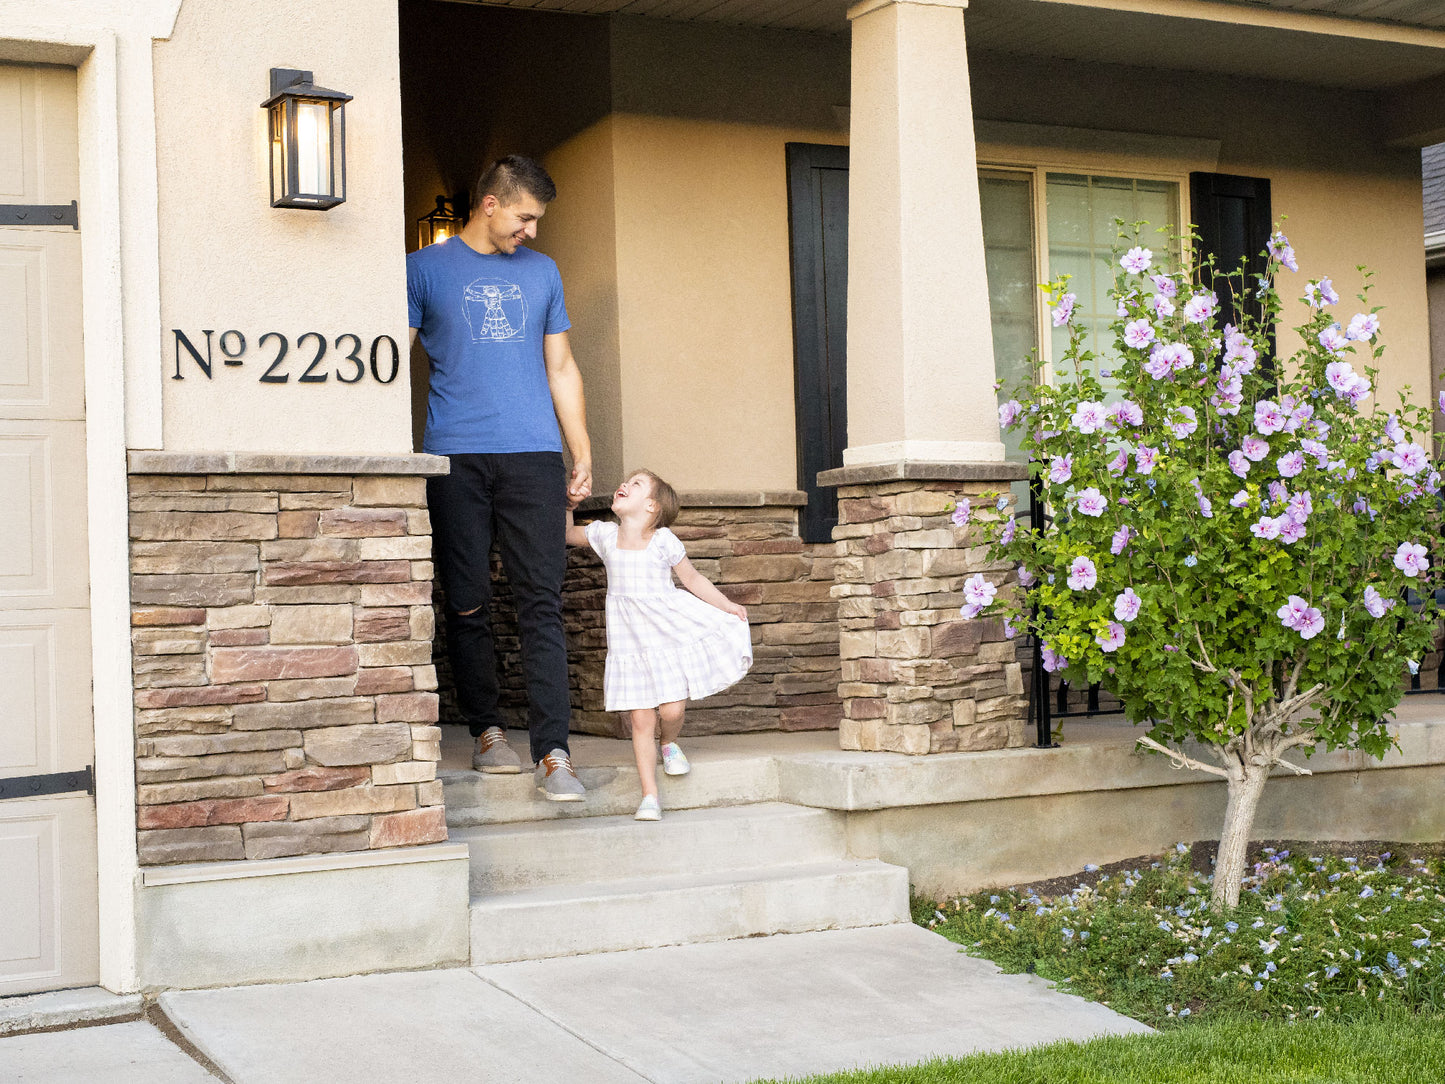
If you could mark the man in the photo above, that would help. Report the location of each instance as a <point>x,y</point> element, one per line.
<point>492,319</point>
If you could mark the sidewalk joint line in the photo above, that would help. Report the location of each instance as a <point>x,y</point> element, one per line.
<point>580,1038</point>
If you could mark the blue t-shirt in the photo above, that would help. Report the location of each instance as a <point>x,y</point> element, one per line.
<point>482,319</point>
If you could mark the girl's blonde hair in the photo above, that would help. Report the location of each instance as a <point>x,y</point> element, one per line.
<point>664,496</point>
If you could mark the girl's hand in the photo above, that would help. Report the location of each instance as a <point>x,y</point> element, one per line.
<point>736,610</point>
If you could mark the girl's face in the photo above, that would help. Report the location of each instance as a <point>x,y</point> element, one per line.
<point>634,497</point>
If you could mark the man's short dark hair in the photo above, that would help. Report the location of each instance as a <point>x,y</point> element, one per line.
<point>510,178</point>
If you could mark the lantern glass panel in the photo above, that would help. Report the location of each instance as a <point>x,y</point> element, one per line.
<point>313,148</point>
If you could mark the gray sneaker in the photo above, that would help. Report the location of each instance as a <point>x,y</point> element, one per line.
<point>556,779</point>
<point>494,756</point>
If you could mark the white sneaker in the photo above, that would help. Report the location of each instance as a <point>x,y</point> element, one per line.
<point>649,809</point>
<point>674,760</point>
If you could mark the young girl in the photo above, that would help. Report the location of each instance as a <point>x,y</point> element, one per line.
<point>664,646</point>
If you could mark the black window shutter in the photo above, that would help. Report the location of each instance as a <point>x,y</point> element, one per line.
<point>1233,217</point>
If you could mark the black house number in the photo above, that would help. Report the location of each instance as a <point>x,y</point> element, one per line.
<point>351,358</point>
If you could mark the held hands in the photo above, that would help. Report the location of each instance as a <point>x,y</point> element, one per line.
<point>580,487</point>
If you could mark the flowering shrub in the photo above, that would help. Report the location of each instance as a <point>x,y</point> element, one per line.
<point>1315,935</point>
<point>1233,540</point>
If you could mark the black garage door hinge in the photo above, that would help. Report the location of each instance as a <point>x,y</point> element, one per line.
<point>40,214</point>
<point>40,786</point>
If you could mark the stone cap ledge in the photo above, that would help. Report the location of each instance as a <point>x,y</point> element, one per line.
<point>157,462</point>
<point>246,868</point>
<point>915,470</point>
<point>716,498</point>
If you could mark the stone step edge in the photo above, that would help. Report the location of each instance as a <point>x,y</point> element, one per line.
<point>622,887</point>
<point>850,894</point>
<point>617,822</point>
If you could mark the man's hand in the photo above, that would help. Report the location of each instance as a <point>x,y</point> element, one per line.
<point>580,487</point>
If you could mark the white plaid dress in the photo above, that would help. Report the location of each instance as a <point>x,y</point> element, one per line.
<point>663,643</point>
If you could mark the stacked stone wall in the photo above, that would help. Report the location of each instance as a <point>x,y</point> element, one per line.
<point>282,652</point>
<point>916,676</point>
<point>755,557</point>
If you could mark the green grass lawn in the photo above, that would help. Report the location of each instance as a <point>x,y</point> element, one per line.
<point>1396,1049</point>
<point>1332,968</point>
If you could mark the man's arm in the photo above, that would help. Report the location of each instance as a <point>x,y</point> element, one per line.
<point>565,380</point>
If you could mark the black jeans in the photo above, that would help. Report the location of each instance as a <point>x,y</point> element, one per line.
<point>521,497</point>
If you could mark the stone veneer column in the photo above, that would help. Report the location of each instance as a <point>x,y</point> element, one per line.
<point>282,642</point>
<point>916,676</point>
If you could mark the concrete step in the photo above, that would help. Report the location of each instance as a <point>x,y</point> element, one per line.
<point>690,841</point>
<point>648,912</point>
<point>612,789</point>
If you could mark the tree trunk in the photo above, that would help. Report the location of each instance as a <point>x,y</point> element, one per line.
<point>1244,792</point>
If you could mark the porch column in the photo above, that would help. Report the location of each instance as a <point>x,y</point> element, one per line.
<point>922,421</point>
<point>920,350</point>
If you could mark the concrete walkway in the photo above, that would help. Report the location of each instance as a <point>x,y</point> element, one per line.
<point>727,1011</point>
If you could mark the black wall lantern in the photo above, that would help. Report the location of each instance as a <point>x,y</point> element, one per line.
<point>440,224</point>
<point>308,141</point>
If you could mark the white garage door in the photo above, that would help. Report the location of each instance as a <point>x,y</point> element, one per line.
<point>47,825</point>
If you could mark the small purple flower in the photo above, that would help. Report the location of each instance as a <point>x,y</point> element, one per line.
<point>1145,459</point>
<point>1240,499</point>
<point>1277,492</point>
<point>1136,260</point>
<point>1410,458</point>
<point>1007,534</point>
<point>1119,464</point>
<point>1321,294</point>
<point>1125,413</point>
<point>1184,421</point>
<point>1410,559</point>
<point>1089,417</point>
<point>1281,250</point>
<point>1440,402</point>
<point>1061,469</point>
<point>1333,339</point>
<point>1256,448</point>
<point>1090,502</point>
<point>1082,574</point>
<point>1200,308</point>
<point>1301,506</point>
<point>1375,605</point>
<point>1267,528</point>
<point>1299,615</point>
<point>970,610</point>
<point>1112,638</point>
<point>1290,464</point>
<point>1008,628</point>
<point>1126,605</point>
<point>1163,307</point>
<point>1363,327</point>
<point>1009,413</point>
<point>977,591</point>
<point>1206,506</point>
<point>1121,539</point>
<point>1238,463</point>
<point>1290,530</point>
<point>1026,578</point>
<point>1138,334</point>
<point>1063,312</point>
<point>1347,384</point>
<point>1268,418</point>
<point>1052,663</point>
<point>1166,286</point>
<point>961,513</point>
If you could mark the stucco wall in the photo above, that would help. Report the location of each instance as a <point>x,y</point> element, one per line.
<point>579,231</point>
<point>1347,198</point>
<point>228,260</point>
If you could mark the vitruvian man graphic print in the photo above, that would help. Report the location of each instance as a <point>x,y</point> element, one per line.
<point>495,310</point>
